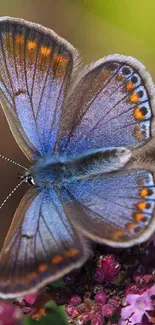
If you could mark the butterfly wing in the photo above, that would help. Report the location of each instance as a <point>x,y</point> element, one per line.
<point>110,105</point>
<point>35,71</point>
<point>41,245</point>
<point>118,210</point>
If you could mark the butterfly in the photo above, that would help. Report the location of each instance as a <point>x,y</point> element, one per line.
<point>86,132</point>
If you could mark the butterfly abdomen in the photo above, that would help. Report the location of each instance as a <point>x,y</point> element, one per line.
<point>98,162</point>
<point>48,173</point>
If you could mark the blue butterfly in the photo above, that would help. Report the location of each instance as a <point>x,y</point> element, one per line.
<point>86,133</point>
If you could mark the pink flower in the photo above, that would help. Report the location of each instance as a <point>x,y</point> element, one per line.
<point>71,311</point>
<point>138,305</point>
<point>33,304</point>
<point>86,317</point>
<point>107,269</point>
<point>27,304</point>
<point>75,300</point>
<point>9,314</point>
<point>110,267</point>
<point>97,319</point>
<point>99,276</point>
<point>152,290</point>
<point>100,297</point>
<point>142,278</point>
<point>108,310</point>
<point>134,289</point>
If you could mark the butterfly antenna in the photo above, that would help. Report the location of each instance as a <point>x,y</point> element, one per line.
<point>10,194</point>
<point>12,162</point>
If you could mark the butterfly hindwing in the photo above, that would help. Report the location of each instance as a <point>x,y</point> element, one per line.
<point>35,71</point>
<point>118,210</point>
<point>41,245</point>
<point>110,105</point>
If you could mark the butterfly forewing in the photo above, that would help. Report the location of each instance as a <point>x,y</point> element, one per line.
<point>35,70</point>
<point>41,245</point>
<point>111,104</point>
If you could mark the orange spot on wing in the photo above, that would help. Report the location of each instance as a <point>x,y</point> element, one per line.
<point>19,39</point>
<point>60,60</point>
<point>139,133</point>
<point>120,77</point>
<point>43,267</point>
<point>31,45</point>
<point>138,114</point>
<point>144,192</point>
<point>32,275</point>
<point>45,51</point>
<point>71,252</point>
<point>59,65</point>
<point>117,234</point>
<point>134,98</point>
<point>141,205</point>
<point>129,85</point>
<point>130,226</point>
<point>57,259</point>
<point>138,216</point>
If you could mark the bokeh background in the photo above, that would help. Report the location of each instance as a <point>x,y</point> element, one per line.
<point>97,28</point>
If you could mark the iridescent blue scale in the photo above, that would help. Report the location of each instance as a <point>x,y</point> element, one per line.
<point>87,139</point>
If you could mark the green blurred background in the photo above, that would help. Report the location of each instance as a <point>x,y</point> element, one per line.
<point>97,28</point>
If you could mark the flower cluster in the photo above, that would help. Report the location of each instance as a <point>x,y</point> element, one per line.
<point>115,286</point>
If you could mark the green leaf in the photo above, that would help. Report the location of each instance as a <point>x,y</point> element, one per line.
<point>56,317</point>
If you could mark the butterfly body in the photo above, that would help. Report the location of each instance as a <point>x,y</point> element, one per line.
<point>86,132</point>
<point>48,172</point>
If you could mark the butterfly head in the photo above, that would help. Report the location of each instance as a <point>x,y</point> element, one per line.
<point>44,173</point>
<point>28,178</point>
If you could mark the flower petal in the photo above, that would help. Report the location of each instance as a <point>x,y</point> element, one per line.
<point>132,298</point>
<point>136,317</point>
<point>152,290</point>
<point>127,311</point>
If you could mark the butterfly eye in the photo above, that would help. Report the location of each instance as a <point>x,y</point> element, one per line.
<point>30,180</point>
